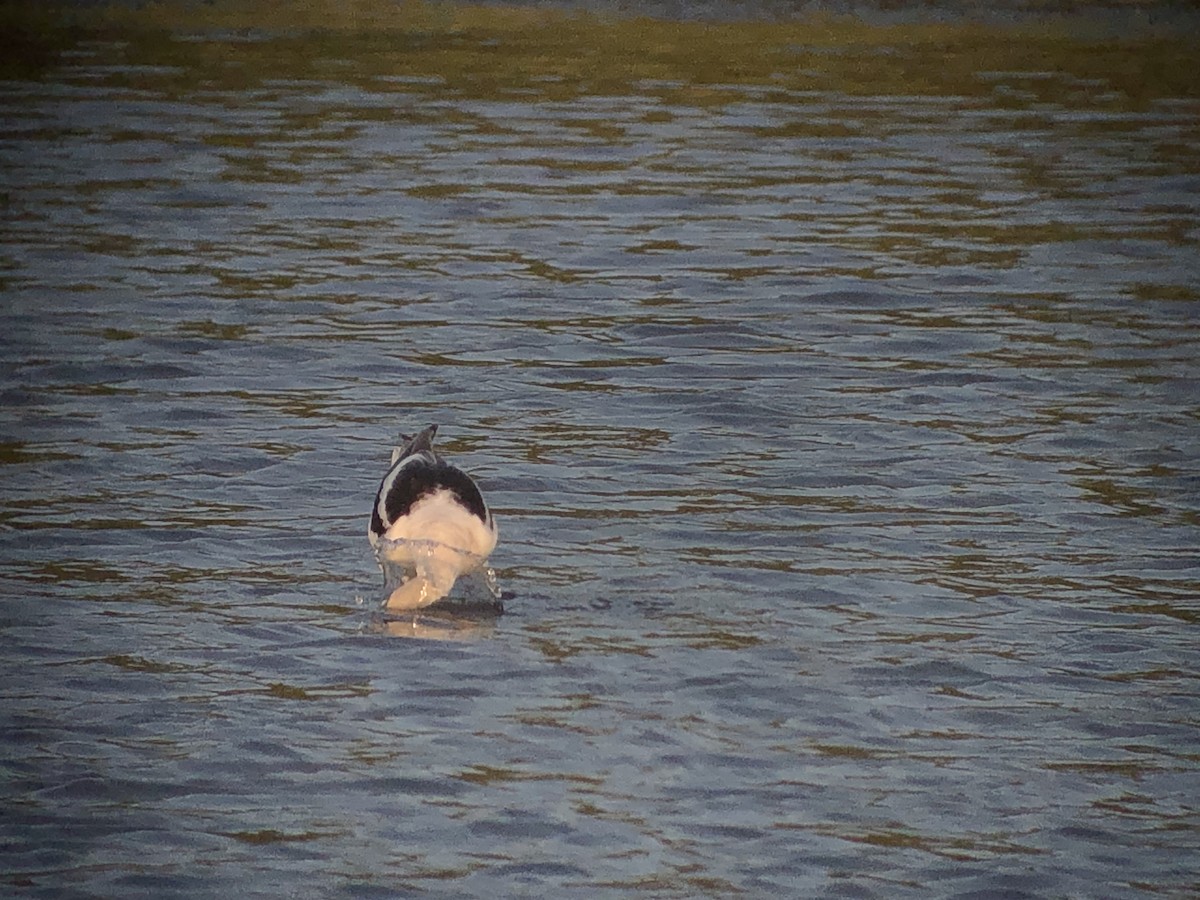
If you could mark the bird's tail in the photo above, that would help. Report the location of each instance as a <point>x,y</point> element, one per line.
<point>422,441</point>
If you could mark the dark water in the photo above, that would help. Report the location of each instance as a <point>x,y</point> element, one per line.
<point>844,447</point>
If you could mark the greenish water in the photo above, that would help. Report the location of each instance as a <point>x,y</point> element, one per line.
<point>835,388</point>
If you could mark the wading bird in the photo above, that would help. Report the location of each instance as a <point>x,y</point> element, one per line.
<point>430,523</point>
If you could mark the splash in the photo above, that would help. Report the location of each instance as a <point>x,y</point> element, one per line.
<point>419,573</point>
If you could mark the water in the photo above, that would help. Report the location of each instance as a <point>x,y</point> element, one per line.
<point>842,440</point>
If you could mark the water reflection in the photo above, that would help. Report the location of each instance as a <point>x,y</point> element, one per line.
<point>450,624</point>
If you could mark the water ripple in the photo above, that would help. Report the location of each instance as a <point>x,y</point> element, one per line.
<point>839,421</point>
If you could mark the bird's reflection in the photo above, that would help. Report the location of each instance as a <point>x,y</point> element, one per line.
<point>438,625</point>
<point>467,616</point>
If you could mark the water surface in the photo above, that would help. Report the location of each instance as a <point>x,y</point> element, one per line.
<point>840,419</point>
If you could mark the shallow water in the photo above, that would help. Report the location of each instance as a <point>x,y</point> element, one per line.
<point>843,445</point>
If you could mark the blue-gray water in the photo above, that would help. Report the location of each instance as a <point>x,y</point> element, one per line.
<point>844,448</point>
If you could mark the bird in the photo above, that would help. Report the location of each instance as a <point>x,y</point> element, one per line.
<point>430,521</point>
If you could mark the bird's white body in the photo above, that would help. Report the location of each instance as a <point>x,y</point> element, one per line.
<point>430,524</point>
<point>440,542</point>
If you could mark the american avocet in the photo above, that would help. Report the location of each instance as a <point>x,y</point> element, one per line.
<point>429,521</point>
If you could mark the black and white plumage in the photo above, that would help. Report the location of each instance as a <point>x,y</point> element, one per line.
<point>430,521</point>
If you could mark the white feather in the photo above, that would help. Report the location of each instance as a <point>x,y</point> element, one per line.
<point>437,541</point>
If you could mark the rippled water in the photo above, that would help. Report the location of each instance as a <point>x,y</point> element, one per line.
<point>843,446</point>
